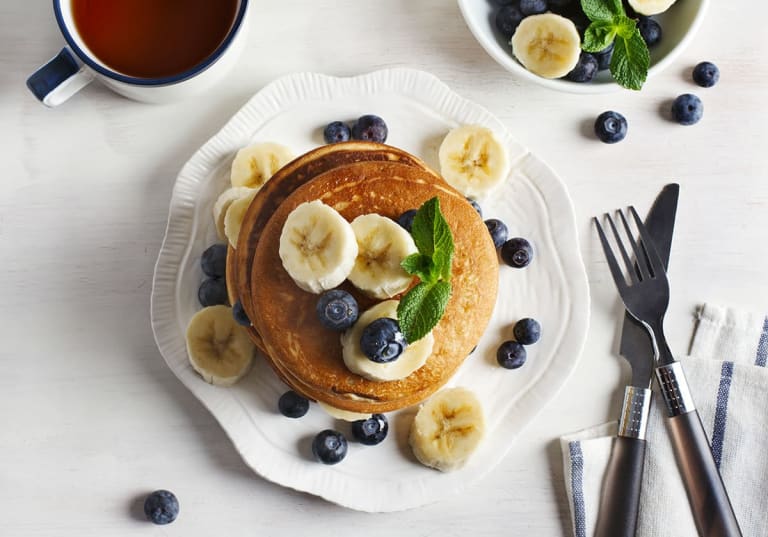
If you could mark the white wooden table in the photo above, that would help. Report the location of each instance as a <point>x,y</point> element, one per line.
<point>91,418</point>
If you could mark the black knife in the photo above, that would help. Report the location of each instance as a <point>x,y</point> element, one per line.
<point>620,498</point>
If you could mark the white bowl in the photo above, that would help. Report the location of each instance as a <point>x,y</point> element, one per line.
<point>679,24</point>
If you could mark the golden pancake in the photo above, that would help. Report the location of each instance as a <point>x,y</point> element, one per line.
<point>308,356</point>
<point>280,186</point>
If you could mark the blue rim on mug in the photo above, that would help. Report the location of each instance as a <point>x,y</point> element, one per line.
<point>189,73</point>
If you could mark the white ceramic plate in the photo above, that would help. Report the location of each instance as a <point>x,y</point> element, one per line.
<point>534,203</point>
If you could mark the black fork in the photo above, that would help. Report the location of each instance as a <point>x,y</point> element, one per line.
<point>646,296</point>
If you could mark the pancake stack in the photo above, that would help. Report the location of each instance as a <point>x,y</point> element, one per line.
<point>356,178</point>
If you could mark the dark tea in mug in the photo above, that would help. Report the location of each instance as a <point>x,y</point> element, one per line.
<point>153,38</point>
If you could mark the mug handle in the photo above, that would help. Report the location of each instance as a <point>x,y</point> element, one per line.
<point>59,79</point>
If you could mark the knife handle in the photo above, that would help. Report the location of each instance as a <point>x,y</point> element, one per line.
<point>620,499</point>
<point>710,505</point>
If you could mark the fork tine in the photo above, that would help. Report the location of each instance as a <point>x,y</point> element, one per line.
<point>630,267</point>
<point>641,258</point>
<point>618,277</point>
<point>653,255</point>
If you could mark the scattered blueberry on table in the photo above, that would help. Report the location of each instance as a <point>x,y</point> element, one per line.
<point>335,132</point>
<point>610,127</point>
<point>371,431</point>
<point>161,507</point>
<point>406,219</point>
<point>382,341</point>
<point>650,30</point>
<point>214,261</point>
<point>337,309</point>
<point>213,291</point>
<point>706,74</point>
<point>585,70</point>
<point>239,314</point>
<point>329,447</point>
<point>517,252</point>
<point>370,128</point>
<point>687,109</point>
<point>292,405</point>
<point>498,231</point>
<point>511,355</point>
<point>527,331</point>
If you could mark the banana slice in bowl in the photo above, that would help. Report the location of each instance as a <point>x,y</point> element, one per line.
<point>447,429</point>
<point>219,349</point>
<point>650,7</point>
<point>547,44</point>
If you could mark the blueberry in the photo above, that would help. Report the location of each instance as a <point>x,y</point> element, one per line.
<point>336,131</point>
<point>214,261</point>
<point>687,109</point>
<point>406,219</point>
<point>527,331</point>
<point>533,7</point>
<point>706,74</point>
<point>329,447</point>
<point>498,231</point>
<point>382,341</point>
<point>650,30</point>
<point>558,4</point>
<point>476,206</point>
<point>370,128</point>
<point>507,20</point>
<point>585,70</point>
<point>337,309</point>
<point>511,355</point>
<point>517,252</point>
<point>161,507</point>
<point>610,127</point>
<point>604,57</point>
<point>213,291</point>
<point>292,405</point>
<point>239,314</point>
<point>371,431</point>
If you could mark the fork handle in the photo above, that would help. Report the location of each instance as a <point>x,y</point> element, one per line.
<point>710,505</point>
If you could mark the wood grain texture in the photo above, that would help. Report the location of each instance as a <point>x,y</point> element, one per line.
<point>92,417</point>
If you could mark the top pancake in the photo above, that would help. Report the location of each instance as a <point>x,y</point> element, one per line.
<point>291,176</point>
<point>307,355</point>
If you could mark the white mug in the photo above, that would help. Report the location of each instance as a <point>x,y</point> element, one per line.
<point>76,66</point>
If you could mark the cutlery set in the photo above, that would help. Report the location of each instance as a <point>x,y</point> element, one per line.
<point>644,289</point>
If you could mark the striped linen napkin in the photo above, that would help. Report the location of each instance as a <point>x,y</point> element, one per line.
<point>728,378</point>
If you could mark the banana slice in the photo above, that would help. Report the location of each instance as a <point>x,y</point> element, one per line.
<point>317,246</point>
<point>339,414</point>
<point>219,348</point>
<point>473,160</point>
<point>222,204</point>
<point>650,7</point>
<point>447,429</point>
<point>382,244</point>
<point>414,356</point>
<point>255,164</point>
<point>547,44</point>
<point>233,218</point>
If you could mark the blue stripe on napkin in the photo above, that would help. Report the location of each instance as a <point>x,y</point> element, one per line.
<point>577,487</point>
<point>762,346</point>
<point>721,411</point>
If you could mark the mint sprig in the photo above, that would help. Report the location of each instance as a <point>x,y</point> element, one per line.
<point>610,24</point>
<point>423,306</point>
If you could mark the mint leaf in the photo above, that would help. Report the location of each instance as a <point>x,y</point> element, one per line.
<point>422,266</point>
<point>630,61</point>
<point>599,36</point>
<point>602,10</point>
<point>433,238</point>
<point>625,26</point>
<point>420,310</point>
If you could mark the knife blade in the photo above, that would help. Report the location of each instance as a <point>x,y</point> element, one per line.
<point>620,497</point>
<point>636,345</point>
